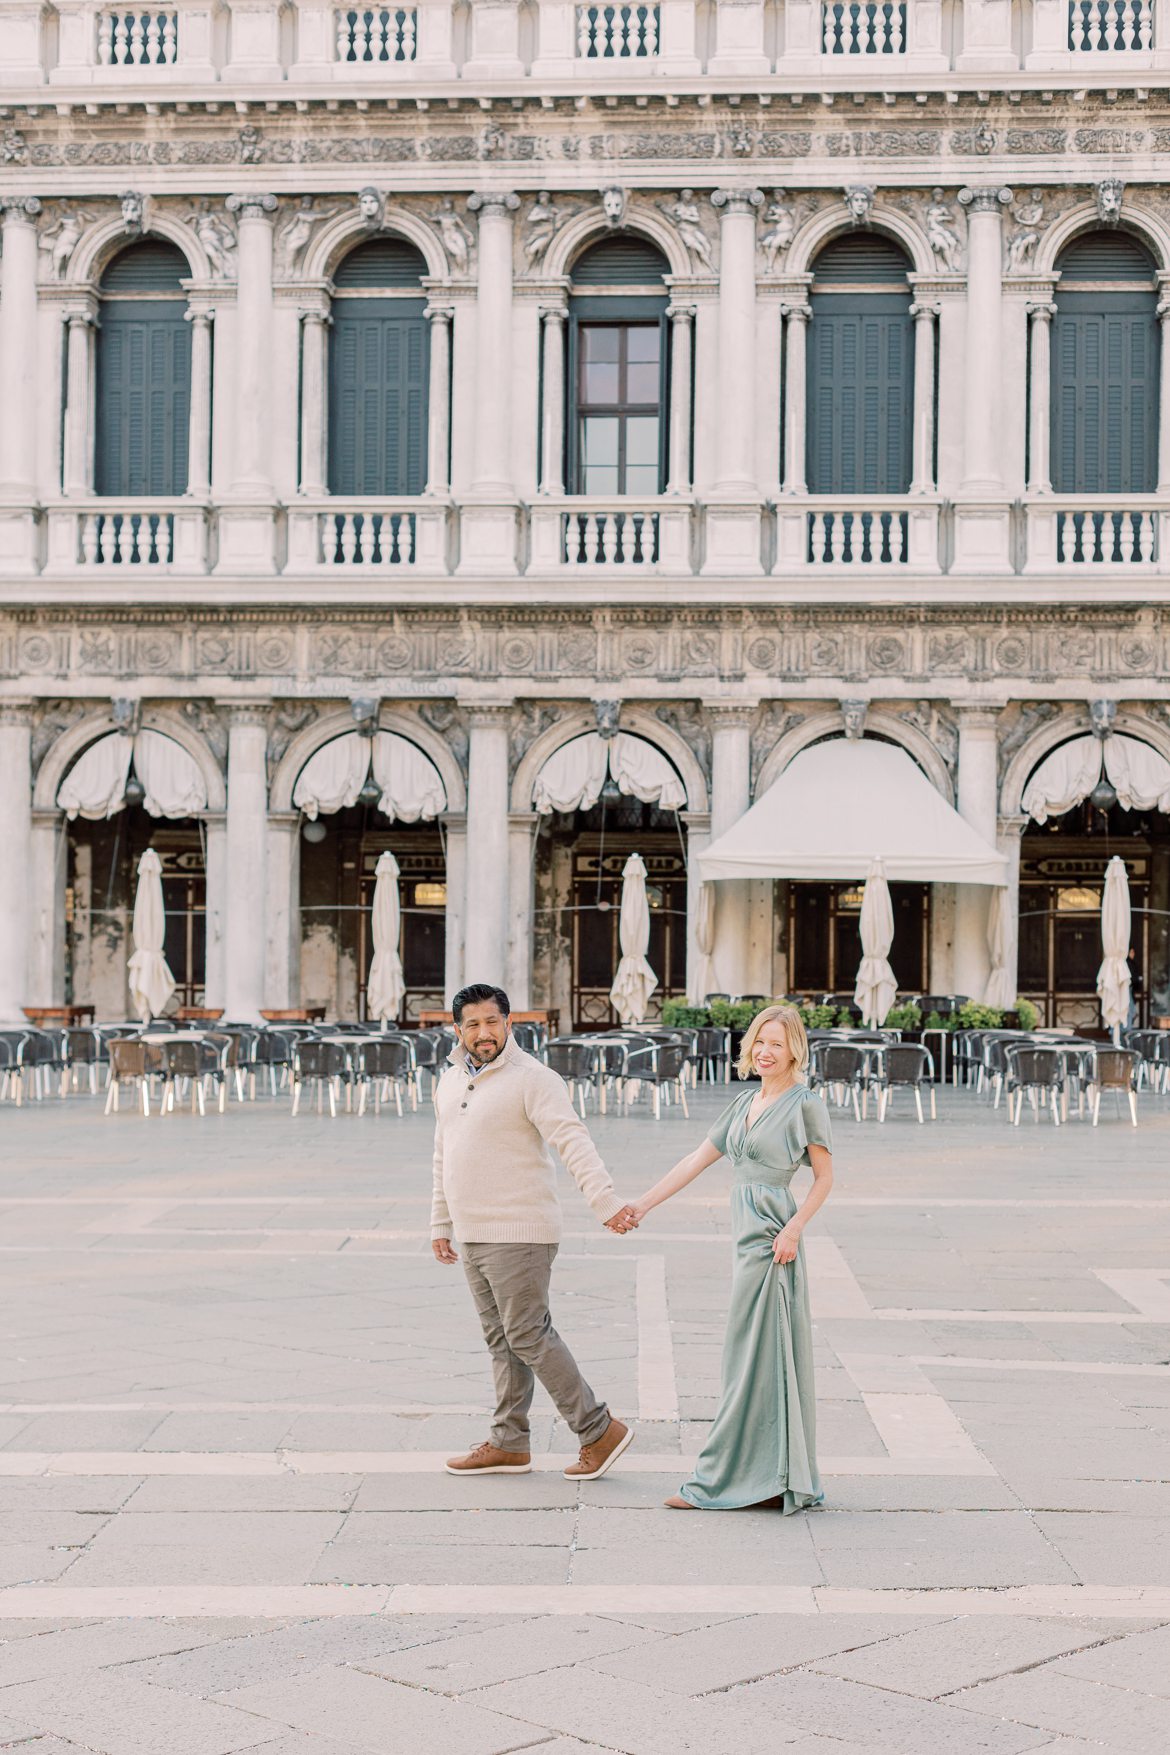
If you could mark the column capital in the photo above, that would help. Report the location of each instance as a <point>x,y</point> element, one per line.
<point>1009,826</point>
<point>797,313</point>
<point>986,198</point>
<point>245,713</point>
<point>731,715</point>
<point>1163,309</point>
<point>488,715</point>
<point>730,201</point>
<point>493,203</point>
<point>200,315</point>
<point>679,313</point>
<point>978,718</point>
<point>19,209</point>
<point>316,314</point>
<point>1043,310</point>
<point>924,309</point>
<point>16,713</point>
<point>439,314</point>
<point>550,315</point>
<point>252,205</point>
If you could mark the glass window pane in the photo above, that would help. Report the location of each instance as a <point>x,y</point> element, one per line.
<point>642,376</point>
<point>641,479</point>
<point>599,455</point>
<point>599,370</point>
<point>642,439</point>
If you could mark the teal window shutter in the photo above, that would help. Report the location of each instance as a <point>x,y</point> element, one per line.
<point>378,367</point>
<point>860,395</point>
<point>143,398</point>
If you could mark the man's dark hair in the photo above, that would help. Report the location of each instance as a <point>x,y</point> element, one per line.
<point>479,993</point>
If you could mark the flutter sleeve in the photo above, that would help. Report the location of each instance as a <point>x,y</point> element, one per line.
<point>818,1129</point>
<point>718,1134</point>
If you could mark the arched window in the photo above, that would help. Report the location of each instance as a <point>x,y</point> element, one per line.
<point>1105,363</point>
<point>378,358</point>
<point>143,373</point>
<point>617,369</point>
<point>860,368</point>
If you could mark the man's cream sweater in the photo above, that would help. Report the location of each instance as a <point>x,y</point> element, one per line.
<point>494,1180</point>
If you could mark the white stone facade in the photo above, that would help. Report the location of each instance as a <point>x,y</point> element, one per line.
<point>244,616</point>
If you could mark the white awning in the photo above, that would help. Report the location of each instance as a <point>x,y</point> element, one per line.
<point>842,804</point>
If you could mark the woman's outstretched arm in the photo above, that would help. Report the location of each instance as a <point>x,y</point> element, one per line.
<point>684,1171</point>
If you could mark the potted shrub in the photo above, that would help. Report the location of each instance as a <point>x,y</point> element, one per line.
<point>907,1018</point>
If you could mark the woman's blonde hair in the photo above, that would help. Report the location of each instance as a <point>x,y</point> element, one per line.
<point>790,1022</point>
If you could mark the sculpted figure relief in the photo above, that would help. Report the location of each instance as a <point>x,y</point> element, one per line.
<point>371,207</point>
<point>133,211</point>
<point>941,232</point>
<point>1109,197</point>
<point>296,231</point>
<point>613,206</point>
<point>1021,245</point>
<point>540,223</point>
<point>859,201</point>
<point>217,238</point>
<point>457,238</point>
<point>685,214</point>
<point>60,237</point>
<point>779,230</point>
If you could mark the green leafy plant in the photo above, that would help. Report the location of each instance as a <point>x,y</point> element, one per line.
<point>936,1021</point>
<point>1028,1015</point>
<point>974,1016</point>
<point>844,1016</point>
<point>904,1017</point>
<point>816,1017</point>
<point>677,1014</point>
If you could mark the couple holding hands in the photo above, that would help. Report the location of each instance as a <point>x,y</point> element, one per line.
<point>498,1110</point>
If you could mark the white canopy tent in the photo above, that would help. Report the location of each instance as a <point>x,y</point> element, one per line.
<point>841,804</point>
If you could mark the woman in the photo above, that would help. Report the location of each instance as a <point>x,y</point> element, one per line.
<point>762,1445</point>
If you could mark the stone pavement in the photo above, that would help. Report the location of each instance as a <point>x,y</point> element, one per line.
<point>231,1371</point>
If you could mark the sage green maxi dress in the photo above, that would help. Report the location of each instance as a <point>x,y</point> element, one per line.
<point>763,1439</point>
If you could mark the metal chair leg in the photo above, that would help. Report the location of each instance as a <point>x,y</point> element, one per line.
<point>918,1104</point>
<point>1133,1108</point>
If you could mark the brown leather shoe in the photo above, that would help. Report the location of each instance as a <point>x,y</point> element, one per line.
<point>595,1458</point>
<point>485,1459</point>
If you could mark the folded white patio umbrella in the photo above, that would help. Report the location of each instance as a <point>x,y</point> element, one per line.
<point>1001,944</point>
<point>703,944</point>
<point>386,986</point>
<point>876,987</point>
<point>635,980</point>
<point>1113,975</point>
<point>151,982</point>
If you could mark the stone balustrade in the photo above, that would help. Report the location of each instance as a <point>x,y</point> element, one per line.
<point>119,537</point>
<point>1096,532</point>
<point>82,42</point>
<point>368,537</point>
<point>579,534</point>
<point>858,532</point>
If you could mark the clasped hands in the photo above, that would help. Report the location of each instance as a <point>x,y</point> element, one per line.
<point>627,1220</point>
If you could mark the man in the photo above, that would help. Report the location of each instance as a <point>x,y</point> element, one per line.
<point>497,1112</point>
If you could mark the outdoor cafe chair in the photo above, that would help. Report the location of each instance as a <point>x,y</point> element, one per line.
<point>576,1061</point>
<point>192,1063</point>
<point>408,1041</point>
<point>232,1048</point>
<point>530,1037</point>
<point>39,1055</point>
<point>385,1065</point>
<point>1038,1074</point>
<point>13,1042</point>
<point>132,1062</point>
<point>712,1053</point>
<point>1154,1048</point>
<point>431,1048</point>
<point>271,1052</point>
<point>843,1067</point>
<point>1116,1070</point>
<point>84,1052</point>
<point>662,1066</point>
<point>909,1066</point>
<point>325,1064</point>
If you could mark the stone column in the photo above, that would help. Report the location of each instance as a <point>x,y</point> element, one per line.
<point>1009,840</point>
<point>314,349</point>
<point>489,514</point>
<point>737,336</point>
<point>486,909</point>
<point>977,797</point>
<point>46,884</point>
<point>78,461</point>
<point>247,518</point>
<point>552,409</point>
<point>254,320</point>
<point>797,318</point>
<point>199,446</point>
<point>682,319</point>
<point>16,816</point>
<point>923,466</point>
<point>244,934</point>
<point>731,794</point>
<point>215,832</point>
<point>455,844</point>
<point>522,827</point>
<point>439,401</point>
<point>982,468</point>
<point>1039,399</point>
<point>18,347</point>
<point>282,974</point>
<point>1164,398</point>
<point>493,345</point>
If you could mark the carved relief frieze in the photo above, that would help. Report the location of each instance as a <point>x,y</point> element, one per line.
<point>937,726</point>
<point>1017,725</point>
<point>773,721</point>
<point>529,721</point>
<point>449,721</point>
<point>284,721</point>
<point>686,718</point>
<point>50,720</point>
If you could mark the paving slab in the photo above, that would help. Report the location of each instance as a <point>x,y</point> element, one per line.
<point>1138,1724</point>
<point>117,1716</point>
<point>355,1706</point>
<point>718,1657</point>
<point>1140,1661</point>
<point>829,1706</point>
<point>944,1657</point>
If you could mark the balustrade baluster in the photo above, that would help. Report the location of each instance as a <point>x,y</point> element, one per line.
<point>150,52</point>
<point>409,38</point>
<point>348,538</point>
<point>89,538</point>
<point>105,537</point>
<point>343,35</point>
<point>609,537</point>
<point>584,31</point>
<point>170,38</point>
<point>1146,536</point>
<point>1145,24</point>
<point>136,54</point>
<point>650,31</point>
<point>896,30</point>
<point>105,44</point>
